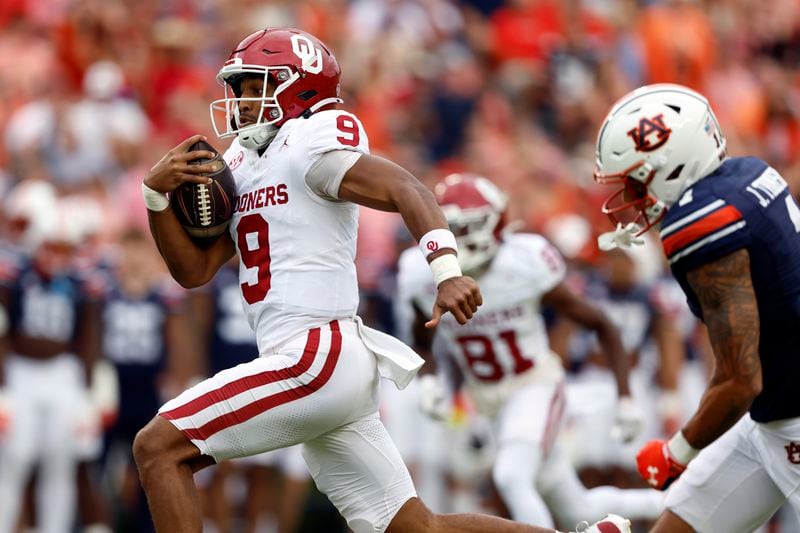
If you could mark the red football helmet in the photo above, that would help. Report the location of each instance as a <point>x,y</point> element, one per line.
<point>303,71</point>
<point>476,211</point>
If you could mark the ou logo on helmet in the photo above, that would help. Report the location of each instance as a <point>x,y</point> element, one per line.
<point>310,56</point>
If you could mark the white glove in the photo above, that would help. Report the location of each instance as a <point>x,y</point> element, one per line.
<point>628,421</point>
<point>104,391</point>
<point>433,399</point>
<point>621,237</point>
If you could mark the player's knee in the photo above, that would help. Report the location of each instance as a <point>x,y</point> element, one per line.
<point>147,447</point>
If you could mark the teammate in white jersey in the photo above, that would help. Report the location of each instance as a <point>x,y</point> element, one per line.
<point>509,371</point>
<point>300,165</point>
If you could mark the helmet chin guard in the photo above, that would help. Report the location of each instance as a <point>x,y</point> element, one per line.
<point>634,196</point>
<point>256,136</point>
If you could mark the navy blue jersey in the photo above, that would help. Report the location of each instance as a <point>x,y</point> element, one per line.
<point>747,204</point>
<point>42,307</point>
<point>134,339</point>
<point>232,339</point>
<point>630,310</point>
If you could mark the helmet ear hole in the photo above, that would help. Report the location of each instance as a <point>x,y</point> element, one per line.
<point>307,95</point>
<point>675,173</point>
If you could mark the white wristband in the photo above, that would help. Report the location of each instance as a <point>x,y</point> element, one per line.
<point>154,200</point>
<point>437,239</point>
<point>445,267</point>
<point>680,449</point>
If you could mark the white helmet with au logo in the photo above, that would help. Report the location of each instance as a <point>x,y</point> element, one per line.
<point>655,142</point>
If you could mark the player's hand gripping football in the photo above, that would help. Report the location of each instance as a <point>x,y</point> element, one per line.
<point>460,295</point>
<point>176,167</point>
<point>657,465</point>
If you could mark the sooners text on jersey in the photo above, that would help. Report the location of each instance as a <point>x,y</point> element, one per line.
<point>296,249</point>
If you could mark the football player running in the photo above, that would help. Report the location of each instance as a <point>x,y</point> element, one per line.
<point>729,227</point>
<point>510,373</point>
<point>301,166</point>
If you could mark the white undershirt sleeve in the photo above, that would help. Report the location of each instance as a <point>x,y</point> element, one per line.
<point>326,173</point>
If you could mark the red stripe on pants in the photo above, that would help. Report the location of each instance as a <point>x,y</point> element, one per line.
<point>265,404</point>
<point>257,380</point>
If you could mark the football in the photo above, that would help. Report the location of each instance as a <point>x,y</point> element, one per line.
<point>205,210</point>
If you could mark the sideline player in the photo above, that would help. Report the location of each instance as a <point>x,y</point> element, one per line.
<point>729,227</point>
<point>46,352</point>
<point>145,337</point>
<point>510,373</point>
<point>301,165</point>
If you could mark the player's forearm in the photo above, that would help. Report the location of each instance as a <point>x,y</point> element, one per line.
<point>671,352</point>
<point>611,343</point>
<point>730,311</point>
<point>592,318</point>
<point>380,184</point>
<point>186,261</point>
<point>418,207</point>
<point>722,405</point>
<point>89,341</point>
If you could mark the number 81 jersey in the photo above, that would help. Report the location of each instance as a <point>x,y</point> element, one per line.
<point>296,248</point>
<point>505,344</point>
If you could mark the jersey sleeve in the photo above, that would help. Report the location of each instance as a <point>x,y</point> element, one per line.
<point>326,132</point>
<point>703,231</point>
<point>335,130</point>
<point>541,263</point>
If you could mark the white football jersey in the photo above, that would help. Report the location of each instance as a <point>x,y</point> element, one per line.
<point>296,249</point>
<point>505,343</point>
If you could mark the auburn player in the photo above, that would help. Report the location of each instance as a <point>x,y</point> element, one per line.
<point>145,337</point>
<point>46,353</point>
<point>622,287</point>
<point>509,371</point>
<point>729,228</point>
<point>301,166</point>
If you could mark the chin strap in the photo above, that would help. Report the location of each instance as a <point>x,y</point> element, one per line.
<point>620,237</point>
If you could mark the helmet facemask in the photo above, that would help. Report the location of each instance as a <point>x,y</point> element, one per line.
<point>633,202</point>
<point>269,113</point>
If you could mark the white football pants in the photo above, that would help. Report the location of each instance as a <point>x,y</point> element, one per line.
<point>49,427</point>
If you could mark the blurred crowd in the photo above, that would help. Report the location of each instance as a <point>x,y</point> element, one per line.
<point>93,92</point>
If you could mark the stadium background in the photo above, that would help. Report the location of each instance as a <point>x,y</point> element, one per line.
<point>93,92</point>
